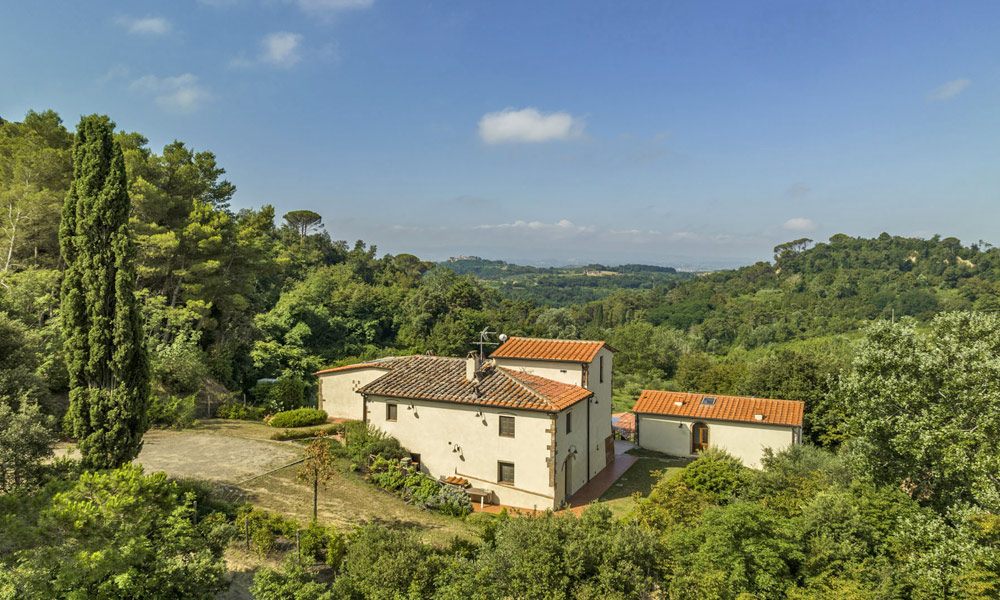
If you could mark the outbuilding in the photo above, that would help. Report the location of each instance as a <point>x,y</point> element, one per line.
<point>681,424</point>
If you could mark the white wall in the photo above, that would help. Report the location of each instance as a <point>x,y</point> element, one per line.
<point>746,441</point>
<point>434,429</point>
<point>587,376</point>
<point>338,395</point>
<point>565,372</point>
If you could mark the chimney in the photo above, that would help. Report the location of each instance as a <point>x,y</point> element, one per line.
<point>472,366</point>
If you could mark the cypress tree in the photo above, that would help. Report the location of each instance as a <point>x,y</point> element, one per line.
<point>104,346</point>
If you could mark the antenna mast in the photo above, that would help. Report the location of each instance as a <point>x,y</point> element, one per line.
<point>484,340</point>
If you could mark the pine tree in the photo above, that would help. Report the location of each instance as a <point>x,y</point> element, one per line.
<point>105,352</point>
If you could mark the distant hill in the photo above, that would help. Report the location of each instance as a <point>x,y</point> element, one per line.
<point>562,286</point>
<point>812,290</point>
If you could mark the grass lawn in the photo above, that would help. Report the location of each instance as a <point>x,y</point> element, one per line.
<point>639,478</point>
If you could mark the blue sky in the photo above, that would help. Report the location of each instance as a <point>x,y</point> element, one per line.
<point>679,133</point>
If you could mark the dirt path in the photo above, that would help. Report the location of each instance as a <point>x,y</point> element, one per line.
<point>224,459</point>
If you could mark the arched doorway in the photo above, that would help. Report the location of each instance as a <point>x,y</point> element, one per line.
<point>699,437</point>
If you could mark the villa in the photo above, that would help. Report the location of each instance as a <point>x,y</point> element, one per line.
<point>526,427</point>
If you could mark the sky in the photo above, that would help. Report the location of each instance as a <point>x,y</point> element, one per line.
<point>691,134</point>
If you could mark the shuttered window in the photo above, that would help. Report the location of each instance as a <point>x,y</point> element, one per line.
<point>506,426</point>
<point>390,412</point>
<point>505,472</point>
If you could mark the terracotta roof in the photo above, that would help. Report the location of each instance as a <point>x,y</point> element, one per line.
<point>386,363</point>
<point>625,422</point>
<point>443,379</point>
<point>541,349</point>
<point>725,408</point>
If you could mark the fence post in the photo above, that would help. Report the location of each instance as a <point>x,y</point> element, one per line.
<point>298,546</point>
<point>246,524</point>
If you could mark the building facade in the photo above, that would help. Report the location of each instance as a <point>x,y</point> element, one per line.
<point>531,425</point>
<point>681,424</point>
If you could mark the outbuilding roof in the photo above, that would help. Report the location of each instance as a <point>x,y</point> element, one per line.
<point>443,379</point>
<point>767,411</point>
<point>582,351</point>
<point>386,363</point>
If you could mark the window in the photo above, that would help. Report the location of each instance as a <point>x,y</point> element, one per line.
<point>505,472</point>
<point>600,368</point>
<point>569,423</point>
<point>708,401</point>
<point>390,412</point>
<point>506,426</point>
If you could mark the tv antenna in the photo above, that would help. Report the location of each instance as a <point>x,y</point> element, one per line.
<point>484,340</point>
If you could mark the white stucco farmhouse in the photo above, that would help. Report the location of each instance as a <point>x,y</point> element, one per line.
<point>529,426</point>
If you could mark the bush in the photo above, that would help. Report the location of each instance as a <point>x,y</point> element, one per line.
<point>172,411</point>
<point>279,396</point>
<point>291,434</point>
<point>300,417</point>
<point>238,411</point>
<point>264,528</point>
<point>419,488</point>
<point>361,440</point>
<point>323,544</point>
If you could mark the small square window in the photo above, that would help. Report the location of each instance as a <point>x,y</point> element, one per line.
<point>390,412</point>
<point>569,423</point>
<point>505,472</point>
<point>506,426</point>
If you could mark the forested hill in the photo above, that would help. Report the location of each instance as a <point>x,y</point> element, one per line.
<point>562,286</point>
<point>237,295</point>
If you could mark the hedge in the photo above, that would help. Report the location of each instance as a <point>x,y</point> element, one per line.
<point>291,434</point>
<point>238,411</point>
<point>300,417</point>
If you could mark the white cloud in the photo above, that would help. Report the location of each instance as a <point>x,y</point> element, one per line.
<point>145,26</point>
<point>560,226</point>
<point>948,90</point>
<point>799,224</point>
<point>281,49</point>
<point>332,6</point>
<point>278,49</point>
<point>528,125</point>
<point>181,94</point>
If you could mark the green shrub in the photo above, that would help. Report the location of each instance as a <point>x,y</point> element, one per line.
<point>291,434</point>
<point>238,411</point>
<point>418,487</point>
<point>300,417</point>
<point>264,528</point>
<point>717,474</point>
<point>172,411</point>
<point>361,440</point>
<point>322,544</point>
<point>278,396</point>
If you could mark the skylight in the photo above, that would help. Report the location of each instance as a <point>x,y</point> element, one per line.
<point>708,401</point>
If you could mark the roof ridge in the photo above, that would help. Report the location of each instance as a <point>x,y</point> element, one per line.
<point>521,337</point>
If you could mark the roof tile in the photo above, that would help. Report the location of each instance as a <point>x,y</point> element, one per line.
<point>582,351</point>
<point>726,408</point>
<point>443,379</point>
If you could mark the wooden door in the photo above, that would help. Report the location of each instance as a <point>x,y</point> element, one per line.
<point>699,437</point>
<point>569,478</point>
<point>609,449</point>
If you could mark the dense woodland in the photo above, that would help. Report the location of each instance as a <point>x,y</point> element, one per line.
<point>891,341</point>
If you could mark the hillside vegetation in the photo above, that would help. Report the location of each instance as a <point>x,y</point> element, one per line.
<point>892,343</point>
